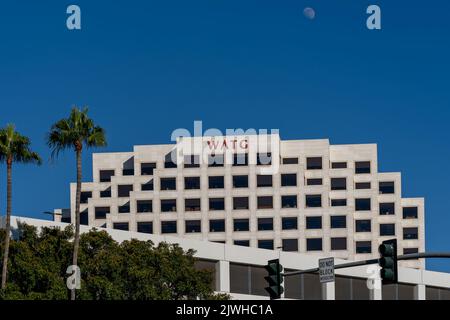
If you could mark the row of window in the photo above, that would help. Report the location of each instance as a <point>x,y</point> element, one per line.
<point>263,202</point>
<point>288,223</point>
<point>241,181</point>
<point>312,163</point>
<point>312,244</point>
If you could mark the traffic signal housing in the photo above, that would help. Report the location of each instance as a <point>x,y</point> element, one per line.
<point>388,261</point>
<point>274,279</point>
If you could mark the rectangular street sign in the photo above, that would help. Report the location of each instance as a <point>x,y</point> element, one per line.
<point>326,270</point>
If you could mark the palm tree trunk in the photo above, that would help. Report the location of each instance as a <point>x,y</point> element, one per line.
<point>8,221</point>
<point>76,243</point>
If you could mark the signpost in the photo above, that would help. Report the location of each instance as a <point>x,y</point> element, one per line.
<point>326,270</point>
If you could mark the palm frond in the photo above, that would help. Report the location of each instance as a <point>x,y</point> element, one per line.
<point>15,146</point>
<point>78,128</point>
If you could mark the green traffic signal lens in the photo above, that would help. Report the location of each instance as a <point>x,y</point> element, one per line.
<point>386,249</point>
<point>387,262</point>
<point>387,274</point>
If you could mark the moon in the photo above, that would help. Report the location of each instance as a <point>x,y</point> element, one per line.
<point>309,13</point>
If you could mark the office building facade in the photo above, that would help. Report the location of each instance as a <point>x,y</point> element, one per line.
<point>304,196</point>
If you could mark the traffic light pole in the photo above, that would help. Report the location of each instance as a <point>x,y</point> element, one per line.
<point>413,256</point>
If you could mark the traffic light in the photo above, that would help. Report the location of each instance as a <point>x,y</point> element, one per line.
<point>274,279</point>
<point>388,261</point>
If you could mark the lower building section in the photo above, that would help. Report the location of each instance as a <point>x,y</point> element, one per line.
<point>240,272</point>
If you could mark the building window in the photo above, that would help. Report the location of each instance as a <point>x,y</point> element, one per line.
<point>410,233</point>
<point>217,225</point>
<point>193,226</point>
<point>241,225</point>
<point>338,202</point>
<point>128,172</point>
<point>313,201</point>
<point>240,159</point>
<point>338,222</point>
<point>265,244</point>
<point>240,181</point>
<point>290,160</point>
<point>145,227</point>
<point>215,160</point>
<point>265,224</point>
<point>125,208</point>
<point>147,168</point>
<point>362,167</point>
<point>143,206</point>
<point>314,163</point>
<point>264,158</point>
<point>410,250</point>
<point>387,208</point>
<point>289,223</point>
<point>264,180</point>
<point>147,186</point>
<point>168,184</point>
<point>169,164</point>
<point>123,191</point>
<point>313,222</point>
<point>216,182</point>
<point>363,247</point>
<point>314,244</point>
<point>128,167</point>
<point>105,175</point>
<point>362,204</point>
<point>386,187</point>
<point>242,243</point>
<point>106,193</point>
<point>240,203</point>
<point>84,218</point>
<point>362,185</point>
<point>265,202</point>
<point>290,245</point>
<point>338,184</point>
<point>192,204</point>
<point>85,195</point>
<point>338,244</point>
<point>387,229</point>
<point>339,165</point>
<point>363,226</point>
<point>191,183</point>
<point>168,227</point>
<point>289,180</point>
<point>169,205</point>
<point>192,161</point>
<point>101,212</point>
<point>121,226</point>
<point>410,213</point>
<point>216,204</point>
<point>288,202</point>
<point>314,182</point>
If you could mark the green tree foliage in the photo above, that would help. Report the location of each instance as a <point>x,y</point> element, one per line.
<point>134,270</point>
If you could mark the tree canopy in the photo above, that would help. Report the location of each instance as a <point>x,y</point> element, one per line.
<point>131,270</point>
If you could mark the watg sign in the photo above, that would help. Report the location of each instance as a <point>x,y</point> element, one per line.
<point>224,144</point>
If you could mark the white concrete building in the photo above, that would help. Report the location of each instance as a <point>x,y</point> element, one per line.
<point>306,196</point>
<point>240,271</point>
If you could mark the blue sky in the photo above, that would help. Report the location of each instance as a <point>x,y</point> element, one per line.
<point>148,67</point>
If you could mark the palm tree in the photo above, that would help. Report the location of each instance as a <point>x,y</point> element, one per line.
<point>13,148</point>
<point>75,132</point>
